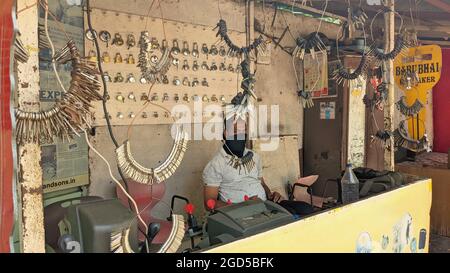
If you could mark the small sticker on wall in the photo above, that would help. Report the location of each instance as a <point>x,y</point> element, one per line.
<point>327,110</point>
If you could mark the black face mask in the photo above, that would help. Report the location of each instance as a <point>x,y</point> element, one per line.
<point>235,146</point>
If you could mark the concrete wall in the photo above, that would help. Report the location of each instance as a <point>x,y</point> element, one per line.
<point>275,85</point>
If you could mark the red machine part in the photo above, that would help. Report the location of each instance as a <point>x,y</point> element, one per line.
<point>211,203</point>
<point>189,208</point>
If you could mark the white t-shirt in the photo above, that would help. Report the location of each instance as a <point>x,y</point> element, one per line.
<point>233,185</point>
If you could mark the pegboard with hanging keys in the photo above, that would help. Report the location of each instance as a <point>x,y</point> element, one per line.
<point>200,70</point>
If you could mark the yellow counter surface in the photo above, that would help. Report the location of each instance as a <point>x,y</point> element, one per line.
<point>394,221</point>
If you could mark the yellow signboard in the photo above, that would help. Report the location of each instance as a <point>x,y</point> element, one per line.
<point>416,72</point>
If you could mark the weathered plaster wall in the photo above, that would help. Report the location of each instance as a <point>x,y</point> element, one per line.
<point>30,173</point>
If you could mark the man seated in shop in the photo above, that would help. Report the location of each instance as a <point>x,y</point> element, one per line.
<point>235,171</point>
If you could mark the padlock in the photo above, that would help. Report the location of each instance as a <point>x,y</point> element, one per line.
<point>105,57</point>
<point>165,97</point>
<point>92,56</point>
<point>118,77</point>
<point>195,52</point>
<point>195,66</point>
<point>175,47</point>
<point>118,58</point>
<point>176,81</point>
<point>107,77</point>
<point>165,79</point>
<point>205,66</point>
<point>205,49</point>
<point>118,41</point>
<point>130,59</point>
<point>155,44</point>
<point>185,65</point>
<point>222,67</point>
<point>186,82</point>
<point>144,97</point>
<point>213,50</point>
<point>105,37</point>
<point>120,98</point>
<point>185,50</point>
<point>130,78</point>
<point>131,41</point>
<point>222,51</point>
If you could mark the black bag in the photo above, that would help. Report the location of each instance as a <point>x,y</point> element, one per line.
<point>373,182</point>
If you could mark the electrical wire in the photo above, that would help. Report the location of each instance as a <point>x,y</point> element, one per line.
<point>105,96</point>
<point>218,8</point>
<point>52,48</point>
<point>321,17</point>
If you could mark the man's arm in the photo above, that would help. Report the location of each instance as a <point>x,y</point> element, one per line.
<point>273,196</point>
<point>210,192</point>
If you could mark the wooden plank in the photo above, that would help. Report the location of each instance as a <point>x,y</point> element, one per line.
<point>389,110</point>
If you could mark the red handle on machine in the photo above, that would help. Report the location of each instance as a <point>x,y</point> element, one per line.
<point>211,203</point>
<point>189,208</point>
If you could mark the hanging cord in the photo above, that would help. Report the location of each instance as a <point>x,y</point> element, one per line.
<point>385,11</point>
<point>218,9</point>
<point>321,17</point>
<point>105,96</point>
<point>148,14</point>
<point>52,48</point>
